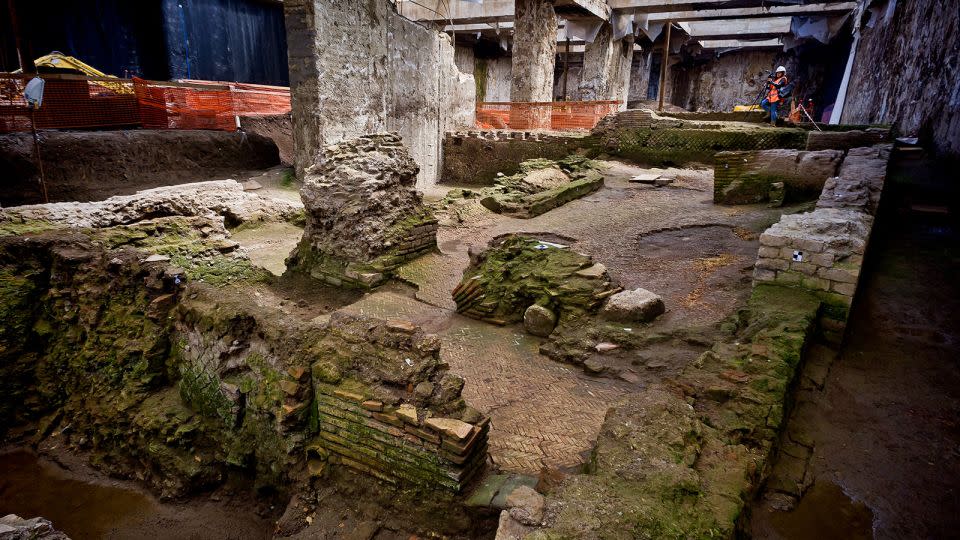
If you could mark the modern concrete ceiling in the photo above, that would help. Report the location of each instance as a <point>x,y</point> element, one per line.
<point>746,23</point>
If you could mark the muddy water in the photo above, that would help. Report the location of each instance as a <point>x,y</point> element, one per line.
<point>824,513</point>
<point>31,488</point>
<point>91,508</point>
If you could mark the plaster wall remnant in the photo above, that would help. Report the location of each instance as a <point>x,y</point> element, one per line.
<point>904,72</point>
<point>364,69</point>
<point>639,78</point>
<point>606,67</point>
<point>534,55</point>
<point>364,215</point>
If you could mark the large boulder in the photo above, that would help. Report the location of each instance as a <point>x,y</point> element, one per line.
<point>638,305</point>
<point>539,320</point>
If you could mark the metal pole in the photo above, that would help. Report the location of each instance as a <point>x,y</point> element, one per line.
<point>566,70</point>
<point>663,65</point>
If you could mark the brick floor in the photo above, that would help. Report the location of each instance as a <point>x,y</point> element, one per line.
<point>543,412</point>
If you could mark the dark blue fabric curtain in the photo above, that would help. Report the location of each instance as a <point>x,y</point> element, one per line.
<point>226,40</point>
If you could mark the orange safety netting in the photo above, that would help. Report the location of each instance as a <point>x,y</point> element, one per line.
<point>254,99</point>
<point>183,106</point>
<point>78,102</point>
<point>557,115</point>
<point>68,103</point>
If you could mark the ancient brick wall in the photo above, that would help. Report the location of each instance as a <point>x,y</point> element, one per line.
<point>823,251</point>
<point>474,158</point>
<point>747,177</point>
<point>393,443</point>
<point>643,136</point>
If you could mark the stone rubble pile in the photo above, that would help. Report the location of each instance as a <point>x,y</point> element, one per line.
<point>14,527</point>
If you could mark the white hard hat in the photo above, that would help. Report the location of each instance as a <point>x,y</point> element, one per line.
<point>781,68</point>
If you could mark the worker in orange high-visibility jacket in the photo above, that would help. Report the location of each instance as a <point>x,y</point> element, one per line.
<point>771,103</point>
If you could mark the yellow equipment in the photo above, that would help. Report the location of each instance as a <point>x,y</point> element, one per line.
<point>58,60</point>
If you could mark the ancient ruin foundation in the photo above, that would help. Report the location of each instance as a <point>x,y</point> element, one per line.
<point>364,215</point>
<point>467,277</point>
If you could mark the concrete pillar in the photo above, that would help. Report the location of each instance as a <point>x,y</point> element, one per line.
<point>534,54</point>
<point>359,71</point>
<point>606,67</point>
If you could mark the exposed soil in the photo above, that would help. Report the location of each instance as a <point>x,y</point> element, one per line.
<point>94,165</point>
<point>884,425</point>
<point>277,127</point>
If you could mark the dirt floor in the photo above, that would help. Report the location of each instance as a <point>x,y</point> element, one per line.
<point>884,421</point>
<point>94,165</point>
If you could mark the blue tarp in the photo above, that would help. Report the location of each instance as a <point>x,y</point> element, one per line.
<point>227,40</point>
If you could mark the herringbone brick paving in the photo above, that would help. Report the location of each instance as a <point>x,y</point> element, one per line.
<point>544,413</point>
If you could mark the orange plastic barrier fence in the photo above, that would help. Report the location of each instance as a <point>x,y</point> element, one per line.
<point>556,115</point>
<point>77,102</point>
<point>254,99</point>
<point>180,106</point>
<point>68,103</point>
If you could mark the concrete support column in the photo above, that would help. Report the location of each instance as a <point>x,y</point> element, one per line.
<point>301,22</point>
<point>534,54</point>
<point>606,67</point>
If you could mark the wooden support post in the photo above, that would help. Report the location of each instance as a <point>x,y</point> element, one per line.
<point>566,70</point>
<point>36,146</point>
<point>663,65</point>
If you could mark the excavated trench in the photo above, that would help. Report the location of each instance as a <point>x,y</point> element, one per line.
<point>255,338</point>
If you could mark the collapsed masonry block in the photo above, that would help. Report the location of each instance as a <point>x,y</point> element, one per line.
<point>364,216</point>
<point>748,177</point>
<point>515,272</point>
<point>541,186</point>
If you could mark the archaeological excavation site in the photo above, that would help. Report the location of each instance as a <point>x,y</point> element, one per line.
<point>480,269</point>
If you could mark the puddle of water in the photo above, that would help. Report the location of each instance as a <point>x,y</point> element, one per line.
<point>90,509</point>
<point>825,513</point>
<point>31,488</point>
